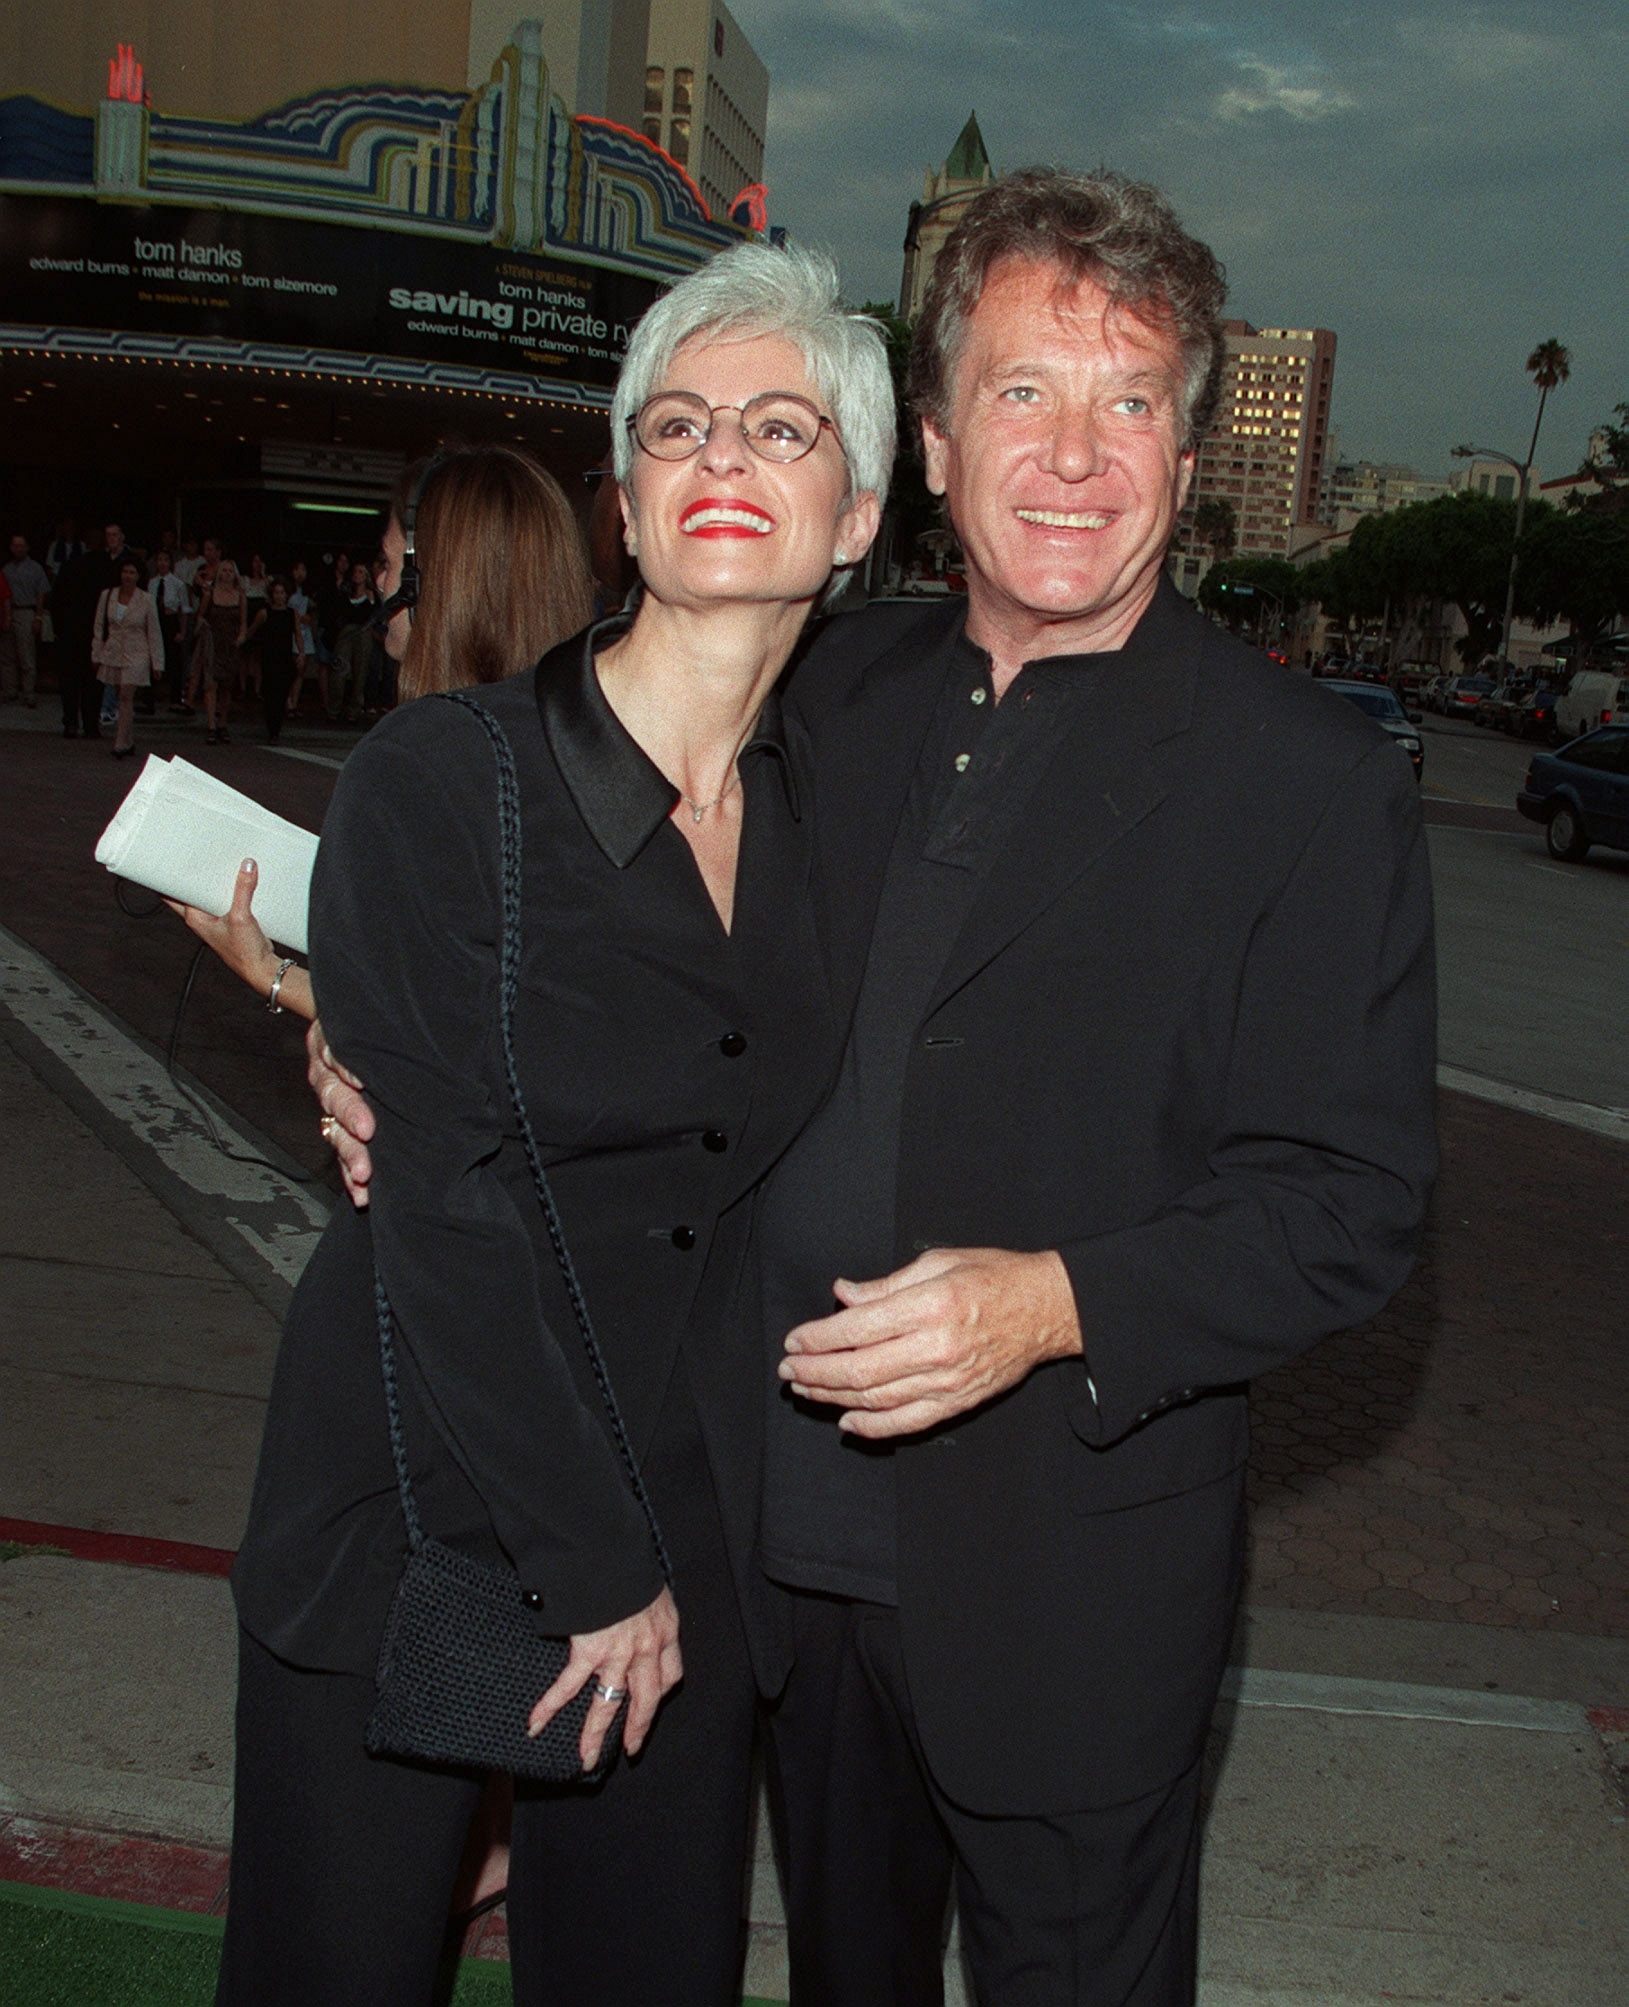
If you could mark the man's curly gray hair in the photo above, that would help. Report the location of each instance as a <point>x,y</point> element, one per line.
<point>1122,234</point>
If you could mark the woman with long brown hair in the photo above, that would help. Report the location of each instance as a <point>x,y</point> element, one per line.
<point>504,581</point>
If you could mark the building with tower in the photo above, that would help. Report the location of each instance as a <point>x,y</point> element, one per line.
<point>945,194</point>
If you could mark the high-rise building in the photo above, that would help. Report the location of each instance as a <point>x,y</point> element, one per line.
<point>706,98</point>
<point>945,194</point>
<point>1265,450</point>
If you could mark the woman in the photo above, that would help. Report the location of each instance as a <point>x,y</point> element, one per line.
<point>274,634</point>
<point>127,647</point>
<point>223,621</point>
<point>353,645</point>
<point>299,597</point>
<point>257,597</point>
<point>470,626</point>
<point>672,1036</point>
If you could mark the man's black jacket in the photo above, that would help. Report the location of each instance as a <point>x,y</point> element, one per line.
<point>1187,1038</point>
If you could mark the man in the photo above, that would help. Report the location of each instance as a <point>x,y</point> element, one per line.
<point>188,565</point>
<point>78,587</point>
<point>30,586</point>
<point>64,545</point>
<point>1138,1103</point>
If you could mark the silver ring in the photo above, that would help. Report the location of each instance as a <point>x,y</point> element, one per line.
<point>612,1693</point>
<point>329,1128</point>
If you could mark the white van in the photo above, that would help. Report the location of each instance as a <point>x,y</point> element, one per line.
<point>1594,697</point>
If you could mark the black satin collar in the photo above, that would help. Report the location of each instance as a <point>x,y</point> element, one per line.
<point>620,792</point>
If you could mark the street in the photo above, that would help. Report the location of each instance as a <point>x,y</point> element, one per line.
<point>1533,956</point>
<point>1430,1692</point>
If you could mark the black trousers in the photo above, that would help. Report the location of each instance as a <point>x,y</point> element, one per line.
<point>621,1894</point>
<point>81,693</point>
<point>1096,1908</point>
<point>276,681</point>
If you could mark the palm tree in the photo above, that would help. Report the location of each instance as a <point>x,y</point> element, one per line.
<point>1549,365</point>
<point>1216,524</point>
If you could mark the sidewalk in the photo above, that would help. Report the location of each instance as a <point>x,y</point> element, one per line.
<point>1418,1786</point>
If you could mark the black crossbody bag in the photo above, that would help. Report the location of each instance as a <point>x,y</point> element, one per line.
<point>463,1661</point>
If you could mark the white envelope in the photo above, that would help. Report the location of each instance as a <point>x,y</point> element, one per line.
<point>181,832</point>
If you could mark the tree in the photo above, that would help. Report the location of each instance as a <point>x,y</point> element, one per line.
<point>1608,476</point>
<point>1549,365</point>
<point>1575,567</point>
<point>1455,549</point>
<point>910,507</point>
<point>1249,591</point>
<point>1215,523</point>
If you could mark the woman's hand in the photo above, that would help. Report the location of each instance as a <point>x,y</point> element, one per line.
<point>348,1120</point>
<point>638,1657</point>
<point>240,941</point>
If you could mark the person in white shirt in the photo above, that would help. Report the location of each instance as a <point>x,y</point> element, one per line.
<point>174,602</point>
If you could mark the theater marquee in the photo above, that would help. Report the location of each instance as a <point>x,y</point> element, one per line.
<point>233,275</point>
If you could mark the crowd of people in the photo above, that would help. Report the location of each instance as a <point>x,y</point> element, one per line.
<point>184,623</point>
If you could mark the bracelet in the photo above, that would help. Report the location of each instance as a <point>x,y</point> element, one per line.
<point>283,968</point>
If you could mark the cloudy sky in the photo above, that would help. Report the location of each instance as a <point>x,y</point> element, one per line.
<point>1443,184</point>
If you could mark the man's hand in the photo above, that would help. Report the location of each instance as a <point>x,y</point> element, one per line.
<point>349,1128</point>
<point>638,1660</point>
<point>931,1341</point>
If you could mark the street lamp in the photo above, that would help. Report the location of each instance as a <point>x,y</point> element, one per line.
<point>1523,470</point>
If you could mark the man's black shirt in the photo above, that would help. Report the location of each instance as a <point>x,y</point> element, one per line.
<point>828,1515</point>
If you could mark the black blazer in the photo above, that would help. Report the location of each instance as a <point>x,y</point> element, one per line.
<point>1186,1038</point>
<point>666,1065</point>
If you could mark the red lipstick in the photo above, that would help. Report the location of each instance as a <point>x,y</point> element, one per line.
<point>725,516</point>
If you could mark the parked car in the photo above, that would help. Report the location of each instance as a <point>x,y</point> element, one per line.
<point>1498,710</point>
<point>1381,704</point>
<point>1581,793</point>
<point>1432,695</point>
<point>1464,694</point>
<point>1533,718</point>
<point>1593,697</point>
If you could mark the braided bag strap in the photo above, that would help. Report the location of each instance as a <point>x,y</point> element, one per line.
<point>509,829</point>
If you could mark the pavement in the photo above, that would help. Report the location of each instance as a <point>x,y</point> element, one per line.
<point>1419,1773</point>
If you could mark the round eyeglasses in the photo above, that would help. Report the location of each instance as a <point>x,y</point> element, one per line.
<point>776,425</point>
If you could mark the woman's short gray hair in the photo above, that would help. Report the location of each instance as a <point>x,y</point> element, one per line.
<point>763,289</point>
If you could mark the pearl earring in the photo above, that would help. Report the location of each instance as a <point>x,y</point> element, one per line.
<point>839,557</point>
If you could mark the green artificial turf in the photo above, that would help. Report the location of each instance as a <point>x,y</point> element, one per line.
<point>63,1950</point>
